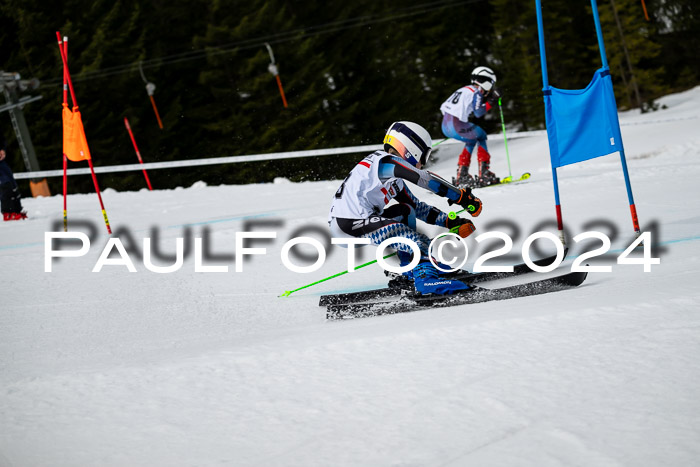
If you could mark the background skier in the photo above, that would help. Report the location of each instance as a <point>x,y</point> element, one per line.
<point>359,207</point>
<point>10,198</point>
<point>459,114</point>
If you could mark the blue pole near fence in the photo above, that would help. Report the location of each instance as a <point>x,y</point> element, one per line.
<point>543,53</point>
<point>623,159</point>
<point>599,33</point>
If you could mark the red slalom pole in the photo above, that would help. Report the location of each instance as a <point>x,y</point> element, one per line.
<point>64,47</point>
<point>65,193</point>
<point>65,81</point>
<point>66,74</point>
<point>138,154</point>
<point>99,196</point>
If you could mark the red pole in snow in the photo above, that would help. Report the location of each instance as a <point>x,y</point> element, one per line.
<point>64,47</point>
<point>65,81</point>
<point>65,193</point>
<point>138,154</point>
<point>66,74</point>
<point>99,196</point>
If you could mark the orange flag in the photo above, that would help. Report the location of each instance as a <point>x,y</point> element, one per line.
<point>75,145</point>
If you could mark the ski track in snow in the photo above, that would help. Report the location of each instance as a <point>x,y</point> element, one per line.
<point>119,368</point>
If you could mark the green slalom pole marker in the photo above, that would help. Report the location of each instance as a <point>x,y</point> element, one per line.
<point>287,293</point>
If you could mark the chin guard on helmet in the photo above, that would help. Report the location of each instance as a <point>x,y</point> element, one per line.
<point>410,140</point>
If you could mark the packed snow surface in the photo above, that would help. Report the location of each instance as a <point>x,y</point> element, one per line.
<point>213,368</point>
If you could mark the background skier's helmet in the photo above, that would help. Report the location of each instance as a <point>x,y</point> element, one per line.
<point>410,140</point>
<point>484,77</point>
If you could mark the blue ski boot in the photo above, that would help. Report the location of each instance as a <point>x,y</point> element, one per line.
<point>444,270</point>
<point>427,281</point>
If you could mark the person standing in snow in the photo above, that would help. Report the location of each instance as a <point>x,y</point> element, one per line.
<point>459,115</point>
<point>359,208</point>
<point>10,198</point>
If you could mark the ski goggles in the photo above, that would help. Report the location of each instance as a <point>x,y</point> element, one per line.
<point>485,82</point>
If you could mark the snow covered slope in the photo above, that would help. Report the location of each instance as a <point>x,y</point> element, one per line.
<point>139,368</point>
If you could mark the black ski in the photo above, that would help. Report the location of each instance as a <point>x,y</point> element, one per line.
<point>411,302</point>
<point>465,276</point>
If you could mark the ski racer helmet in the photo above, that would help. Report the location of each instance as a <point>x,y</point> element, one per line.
<point>484,77</point>
<point>410,140</point>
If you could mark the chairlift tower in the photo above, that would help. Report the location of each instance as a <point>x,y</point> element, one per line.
<point>12,86</point>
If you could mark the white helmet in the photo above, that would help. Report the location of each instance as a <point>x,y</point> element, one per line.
<point>410,140</point>
<point>484,77</point>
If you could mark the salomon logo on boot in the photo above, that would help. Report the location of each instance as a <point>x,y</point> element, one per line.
<point>440,287</point>
<point>433,284</point>
<point>428,281</point>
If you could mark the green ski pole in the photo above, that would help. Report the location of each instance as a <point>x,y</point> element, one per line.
<point>453,215</point>
<point>287,293</point>
<point>505,140</point>
<point>439,143</point>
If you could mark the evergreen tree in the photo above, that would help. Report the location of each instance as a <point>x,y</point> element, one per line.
<point>633,40</point>
<point>349,69</point>
<point>517,62</point>
<point>245,113</point>
<point>678,26</point>
<point>516,50</point>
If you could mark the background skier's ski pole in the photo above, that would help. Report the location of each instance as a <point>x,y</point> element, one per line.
<point>289,292</point>
<point>505,140</point>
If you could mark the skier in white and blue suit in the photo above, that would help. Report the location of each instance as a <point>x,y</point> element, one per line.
<point>359,207</point>
<point>461,113</point>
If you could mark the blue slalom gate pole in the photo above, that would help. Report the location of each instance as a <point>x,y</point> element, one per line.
<point>623,159</point>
